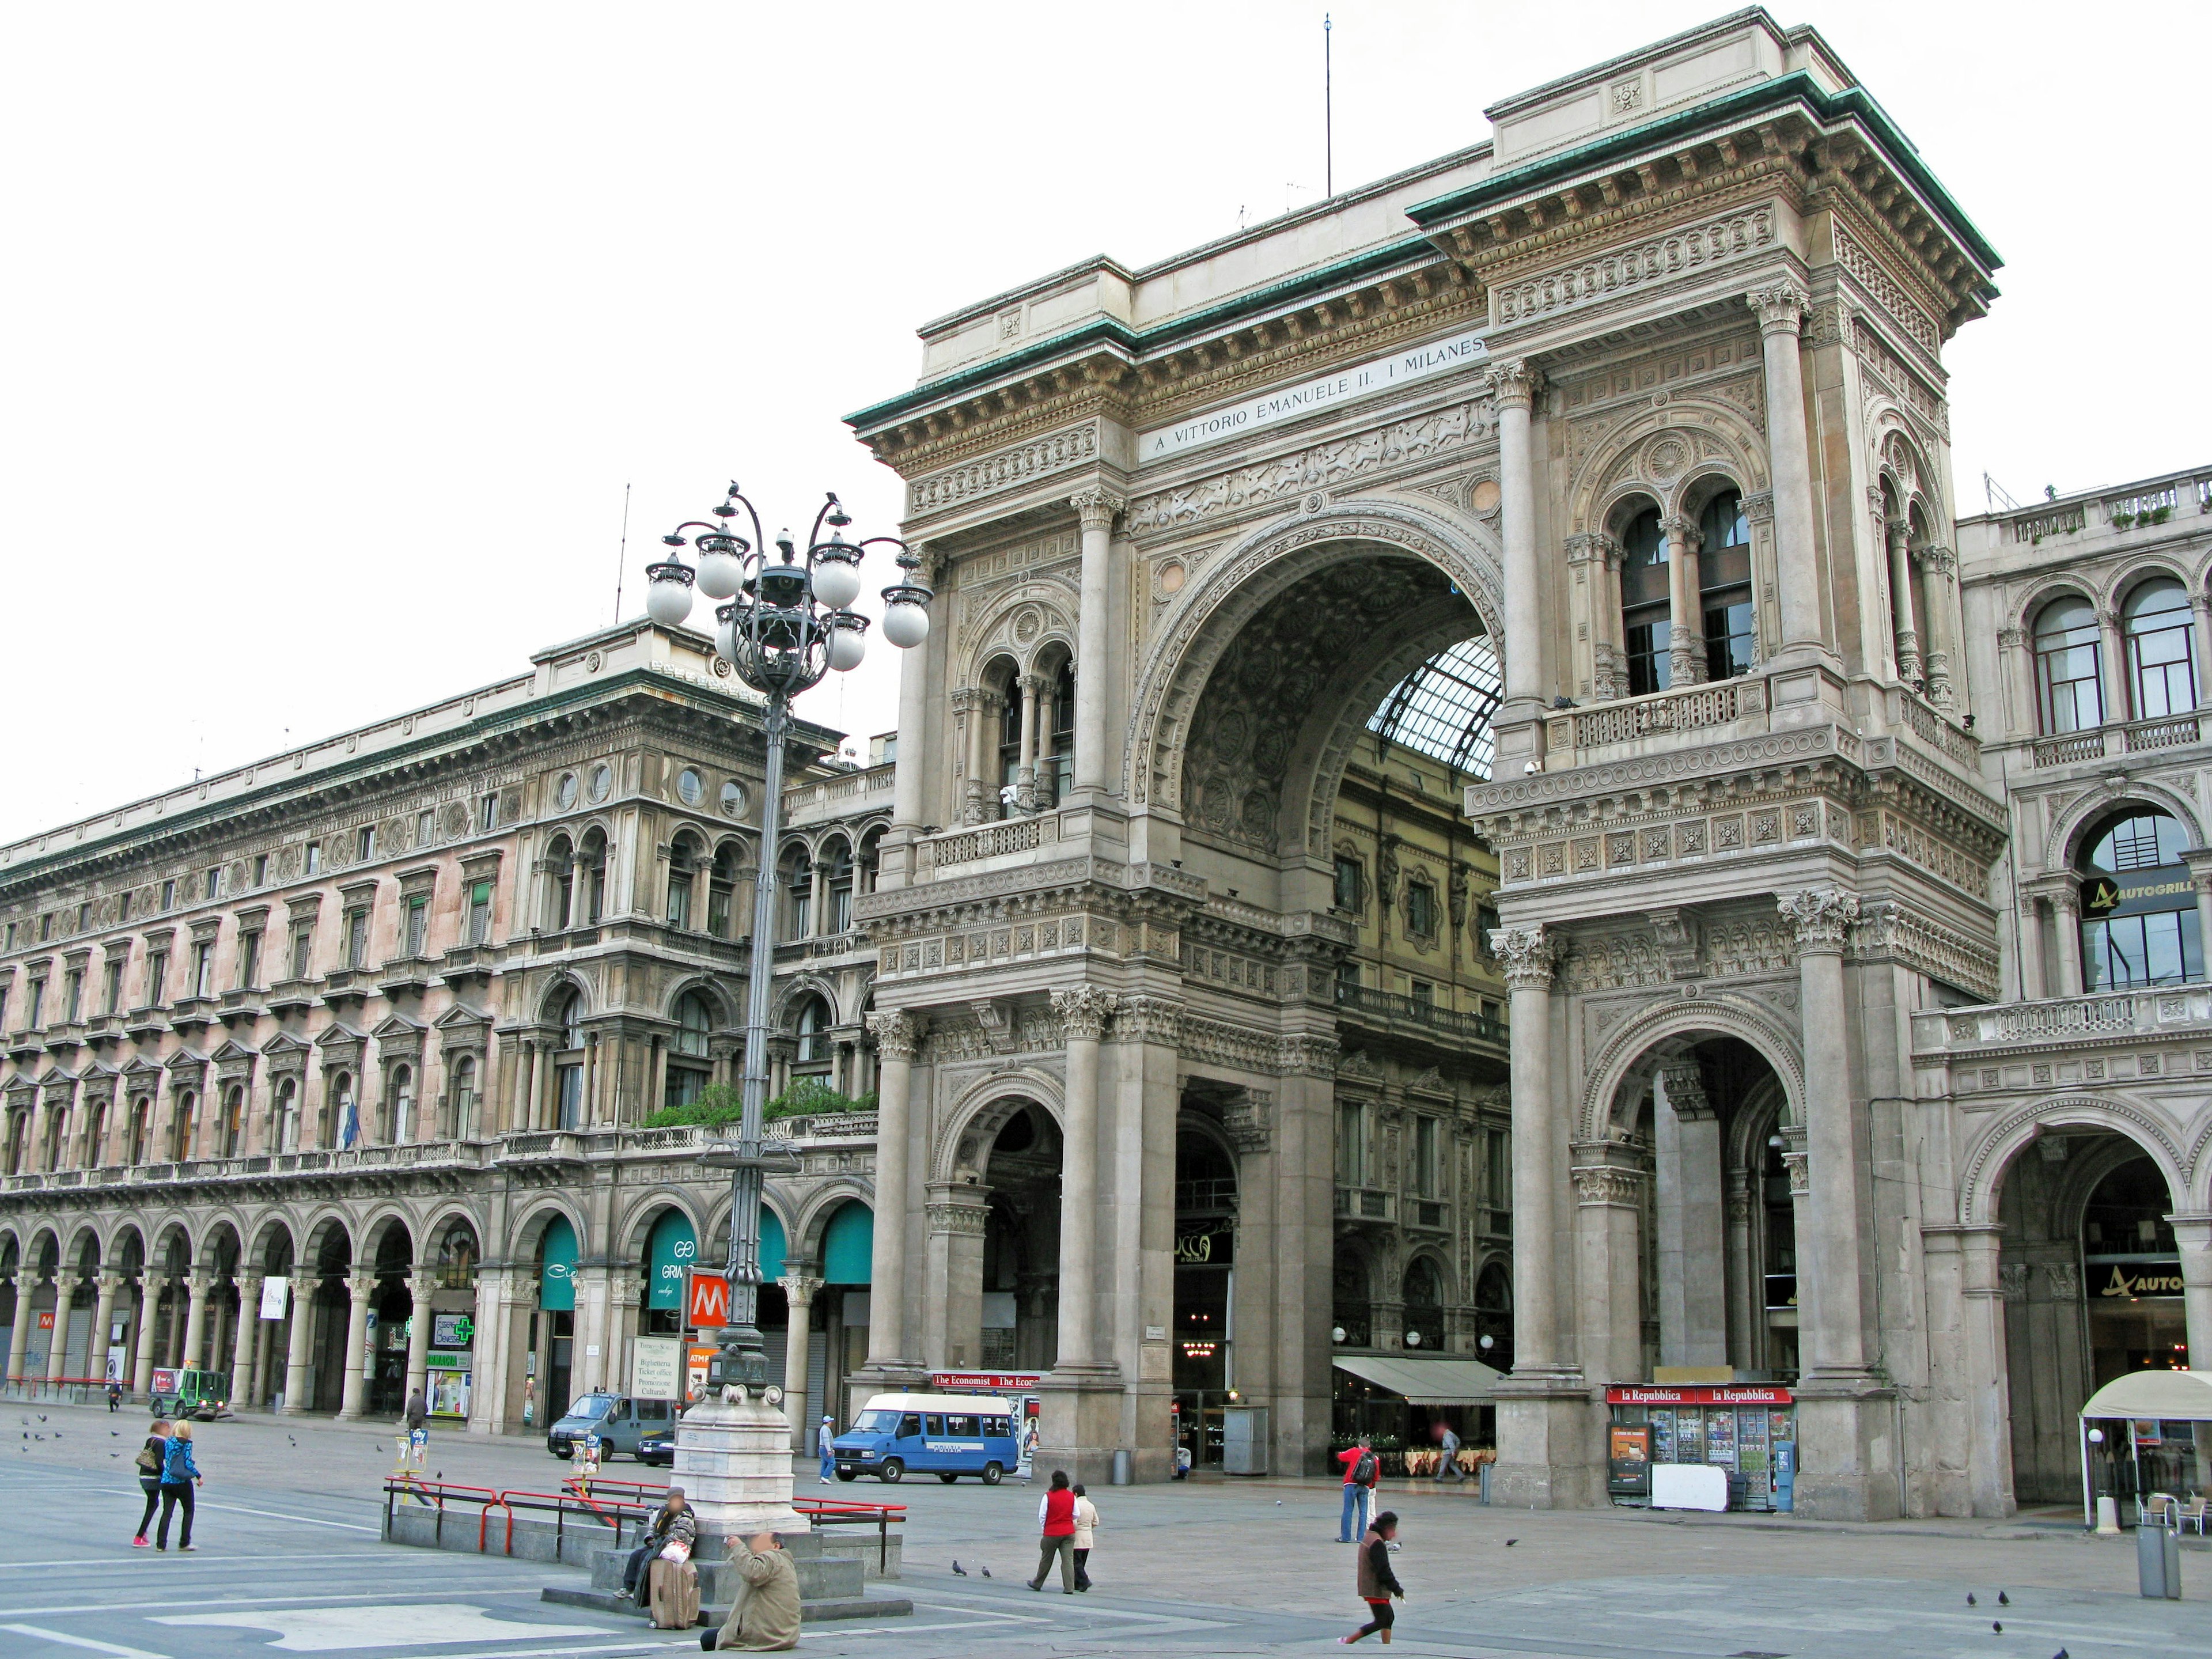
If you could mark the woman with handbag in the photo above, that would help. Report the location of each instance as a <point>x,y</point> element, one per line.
<point>149,1477</point>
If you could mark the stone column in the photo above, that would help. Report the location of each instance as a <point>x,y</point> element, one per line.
<point>2116,684</point>
<point>265,1344</point>
<point>1685,614</point>
<point>242,1339</point>
<point>1097,508</point>
<point>486,1359</point>
<point>360,1287</point>
<point>1693,1299</point>
<point>1596,613</point>
<point>2018,666</point>
<point>1083,1012</point>
<point>1513,383</point>
<point>420,1284</point>
<point>300,1331</point>
<point>1748,1303</point>
<point>2066,917</point>
<point>1942,566</point>
<point>2031,949</point>
<point>971,704</point>
<point>149,1303</point>
<point>952,1320</point>
<point>1608,1270</point>
<point>2200,876</point>
<point>1900,600</point>
<point>1988,1380</point>
<point>1025,793</point>
<point>1546,1426</point>
<point>1847,1471</point>
<point>799,1291</point>
<point>20,1333</point>
<point>898,1040</point>
<point>1781,310</point>
<point>196,1286</point>
<point>65,1285</point>
<point>103,1314</point>
<point>2192,1235</point>
<point>2200,605</point>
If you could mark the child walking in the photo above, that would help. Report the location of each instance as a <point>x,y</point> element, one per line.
<point>1377,1582</point>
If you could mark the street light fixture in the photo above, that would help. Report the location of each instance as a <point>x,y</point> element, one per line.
<point>787,622</point>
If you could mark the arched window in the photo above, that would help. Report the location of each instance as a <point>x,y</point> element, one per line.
<point>1493,1318</point>
<point>341,1126</point>
<point>402,1121</point>
<point>1056,775</point>
<point>457,1257</point>
<point>2138,905</point>
<point>593,856</point>
<point>2160,635</point>
<point>1424,1312</point>
<point>871,855</point>
<point>2069,686</point>
<point>839,917</point>
<point>683,865</point>
<point>814,1020</point>
<point>560,887</point>
<point>799,894</point>
<point>688,1071</point>
<point>1645,629</point>
<point>721,890</point>
<point>1010,749</point>
<point>180,1126</point>
<point>95,1137</point>
<point>1350,1305</point>
<point>234,1120</point>
<point>568,1068</point>
<point>1724,573</point>
<point>142,1124</point>
<point>287,1115</point>
<point>464,1098</point>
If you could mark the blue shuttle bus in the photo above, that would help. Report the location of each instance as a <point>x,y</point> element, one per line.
<point>947,1435</point>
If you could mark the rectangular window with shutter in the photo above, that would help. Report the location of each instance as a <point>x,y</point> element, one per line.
<point>356,938</point>
<point>480,912</point>
<point>303,942</point>
<point>418,926</point>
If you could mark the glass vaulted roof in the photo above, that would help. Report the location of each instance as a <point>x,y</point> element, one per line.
<point>1444,706</point>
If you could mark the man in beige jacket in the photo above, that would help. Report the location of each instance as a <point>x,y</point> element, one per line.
<point>765,1613</point>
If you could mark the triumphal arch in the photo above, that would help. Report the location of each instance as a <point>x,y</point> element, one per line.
<point>1643,397</point>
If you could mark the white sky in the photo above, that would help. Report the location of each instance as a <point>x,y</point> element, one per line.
<point>333,334</point>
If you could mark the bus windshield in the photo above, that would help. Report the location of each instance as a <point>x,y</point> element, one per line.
<point>878,1422</point>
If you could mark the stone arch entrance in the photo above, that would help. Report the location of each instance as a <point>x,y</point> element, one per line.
<point>993,1239</point>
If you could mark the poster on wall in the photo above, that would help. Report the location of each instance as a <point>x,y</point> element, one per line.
<point>276,1297</point>
<point>656,1368</point>
<point>700,1356</point>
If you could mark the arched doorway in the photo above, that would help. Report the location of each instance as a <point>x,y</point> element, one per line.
<point>1205,1358</point>
<point>2090,1276</point>
<point>994,1242</point>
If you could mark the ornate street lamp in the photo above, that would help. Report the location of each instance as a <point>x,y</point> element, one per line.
<point>787,624</point>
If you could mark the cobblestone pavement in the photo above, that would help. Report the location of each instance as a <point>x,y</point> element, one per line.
<point>290,1563</point>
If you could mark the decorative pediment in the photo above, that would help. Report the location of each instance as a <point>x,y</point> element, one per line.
<point>399,1037</point>
<point>187,1065</point>
<point>57,1077</point>
<point>286,1054</point>
<point>100,1084</point>
<point>234,1061</point>
<point>461,1028</point>
<point>341,1044</point>
<point>142,1072</point>
<point>1357,1067</point>
<point>1430,1082</point>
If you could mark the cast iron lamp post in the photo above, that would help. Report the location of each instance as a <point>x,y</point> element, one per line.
<point>787,624</point>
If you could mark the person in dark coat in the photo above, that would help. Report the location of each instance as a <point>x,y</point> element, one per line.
<point>151,1457</point>
<point>418,1412</point>
<point>1377,1582</point>
<point>179,1475</point>
<point>675,1524</point>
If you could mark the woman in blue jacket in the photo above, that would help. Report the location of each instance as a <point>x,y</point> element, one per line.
<point>179,1475</point>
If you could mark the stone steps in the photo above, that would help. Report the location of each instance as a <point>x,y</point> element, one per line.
<point>820,1610</point>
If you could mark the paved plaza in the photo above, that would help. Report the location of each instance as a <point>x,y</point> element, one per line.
<point>290,1563</point>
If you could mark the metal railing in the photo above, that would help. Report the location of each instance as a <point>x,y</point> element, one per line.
<point>822,1512</point>
<point>613,1512</point>
<point>1388,1005</point>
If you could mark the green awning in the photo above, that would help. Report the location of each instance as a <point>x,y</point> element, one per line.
<point>848,1245</point>
<point>773,1246</point>
<point>669,1255</point>
<point>1427,1381</point>
<point>556,1268</point>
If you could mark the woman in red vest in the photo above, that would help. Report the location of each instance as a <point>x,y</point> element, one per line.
<point>1056,1514</point>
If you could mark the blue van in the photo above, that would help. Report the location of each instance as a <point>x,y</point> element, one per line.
<point>947,1435</point>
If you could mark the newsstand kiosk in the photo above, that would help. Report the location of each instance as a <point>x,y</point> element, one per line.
<point>1748,1431</point>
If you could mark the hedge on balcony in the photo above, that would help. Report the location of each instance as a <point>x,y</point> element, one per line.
<point>721,1104</point>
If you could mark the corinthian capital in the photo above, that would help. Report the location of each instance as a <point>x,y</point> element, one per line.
<point>1096,508</point>
<point>1084,1011</point>
<point>897,1033</point>
<point>1820,915</point>
<point>1513,383</point>
<point>1781,307</point>
<point>1530,954</point>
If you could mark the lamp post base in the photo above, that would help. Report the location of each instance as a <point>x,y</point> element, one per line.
<point>733,1461</point>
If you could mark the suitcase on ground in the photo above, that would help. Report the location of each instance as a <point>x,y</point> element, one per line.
<point>674,1595</point>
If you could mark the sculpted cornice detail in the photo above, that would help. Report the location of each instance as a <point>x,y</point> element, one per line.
<point>898,1033</point>
<point>1318,467</point>
<point>1821,917</point>
<point>1684,252</point>
<point>1529,955</point>
<point>1220,1044</point>
<point>1096,508</point>
<point>1084,1011</point>
<point>1007,469</point>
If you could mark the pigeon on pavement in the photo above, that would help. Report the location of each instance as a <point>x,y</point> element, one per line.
<point>1970,1598</point>
<point>1997,1625</point>
<point>1510,1542</point>
<point>987,1572</point>
<point>958,1570</point>
<point>2003,1601</point>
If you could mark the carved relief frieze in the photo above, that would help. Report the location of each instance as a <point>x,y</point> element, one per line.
<point>1686,253</point>
<point>1321,467</point>
<point>1008,469</point>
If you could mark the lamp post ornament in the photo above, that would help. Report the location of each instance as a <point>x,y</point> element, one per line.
<point>786,623</point>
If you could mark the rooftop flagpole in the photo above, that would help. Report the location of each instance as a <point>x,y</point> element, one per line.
<point>1328,109</point>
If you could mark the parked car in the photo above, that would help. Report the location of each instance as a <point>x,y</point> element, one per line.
<point>658,1447</point>
<point>620,1422</point>
<point>941,1434</point>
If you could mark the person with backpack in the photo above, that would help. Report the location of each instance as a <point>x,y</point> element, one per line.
<point>179,1475</point>
<point>1056,1516</point>
<point>1362,1472</point>
<point>149,1478</point>
<point>1377,1582</point>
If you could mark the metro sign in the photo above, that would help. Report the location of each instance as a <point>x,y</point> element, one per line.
<point>708,1304</point>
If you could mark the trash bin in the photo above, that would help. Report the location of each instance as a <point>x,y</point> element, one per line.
<point>2158,1563</point>
<point>1244,1440</point>
<point>1125,1467</point>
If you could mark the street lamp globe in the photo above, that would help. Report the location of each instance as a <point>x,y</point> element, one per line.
<point>906,624</point>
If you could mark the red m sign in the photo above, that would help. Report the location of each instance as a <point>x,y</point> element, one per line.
<point>708,1302</point>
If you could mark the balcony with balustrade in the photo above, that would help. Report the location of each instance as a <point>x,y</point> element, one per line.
<point>2157,1036</point>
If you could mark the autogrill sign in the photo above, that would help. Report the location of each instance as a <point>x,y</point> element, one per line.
<point>1272,408</point>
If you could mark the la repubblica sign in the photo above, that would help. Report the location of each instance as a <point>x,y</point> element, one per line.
<point>1698,1394</point>
<point>1400,368</point>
